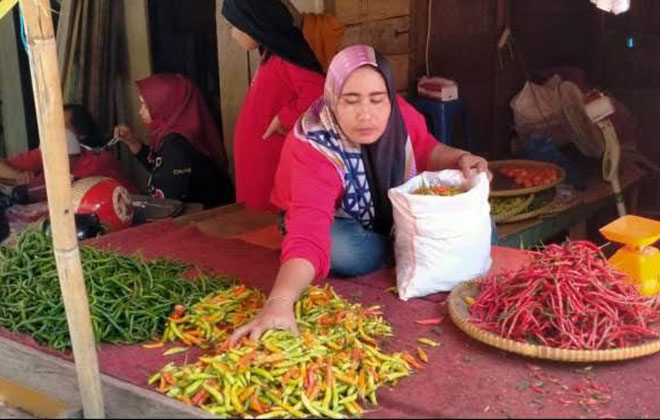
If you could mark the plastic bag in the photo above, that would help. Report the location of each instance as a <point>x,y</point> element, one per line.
<point>440,241</point>
<point>537,109</point>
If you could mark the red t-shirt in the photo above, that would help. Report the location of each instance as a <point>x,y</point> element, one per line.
<point>86,164</point>
<point>279,88</point>
<point>309,189</point>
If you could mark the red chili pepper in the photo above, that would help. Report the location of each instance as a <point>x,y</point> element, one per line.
<point>200,397</point>
<point>568,297</point>
<point>429,321</point>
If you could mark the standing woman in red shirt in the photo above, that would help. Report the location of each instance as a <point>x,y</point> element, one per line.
<point>289,78</point>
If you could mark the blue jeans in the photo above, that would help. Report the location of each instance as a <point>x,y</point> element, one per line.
<point>357,251</point>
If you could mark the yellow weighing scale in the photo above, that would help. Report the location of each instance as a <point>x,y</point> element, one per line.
<point>637,258</point>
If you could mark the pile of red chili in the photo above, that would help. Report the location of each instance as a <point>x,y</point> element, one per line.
<point>569,297</point>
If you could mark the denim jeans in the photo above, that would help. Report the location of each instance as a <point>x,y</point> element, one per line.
<point>357,251</point>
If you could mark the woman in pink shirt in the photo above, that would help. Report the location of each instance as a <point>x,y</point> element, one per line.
<point>352,145</point>
<point>288,80</point>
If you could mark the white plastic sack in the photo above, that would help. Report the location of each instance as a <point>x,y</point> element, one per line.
<point>537,106</point>
<point>440,241</point>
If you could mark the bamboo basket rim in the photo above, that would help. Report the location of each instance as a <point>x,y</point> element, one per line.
<point>458,311</point>
<point>525,162</point>
<point>497,218</point>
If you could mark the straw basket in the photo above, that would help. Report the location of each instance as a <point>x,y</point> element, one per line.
<point>459,313</point>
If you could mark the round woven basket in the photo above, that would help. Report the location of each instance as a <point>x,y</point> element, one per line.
<point>504,187</point>
<point>497,218</point>
<point>459,313</point>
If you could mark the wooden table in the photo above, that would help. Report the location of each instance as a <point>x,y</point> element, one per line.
<point>597,195</point>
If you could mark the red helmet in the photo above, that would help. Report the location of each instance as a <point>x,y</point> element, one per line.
<point>106,198</point>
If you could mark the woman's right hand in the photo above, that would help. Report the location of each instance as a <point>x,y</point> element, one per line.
<point>276,314</point>
<point>125,134</point>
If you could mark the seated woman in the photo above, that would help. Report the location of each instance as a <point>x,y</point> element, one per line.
<point>353,144</point>
<point>185,153</point>
<point>81,136</point>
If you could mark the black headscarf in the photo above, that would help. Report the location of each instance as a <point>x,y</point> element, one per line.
<point>385,160</point>
<point>270,23</point>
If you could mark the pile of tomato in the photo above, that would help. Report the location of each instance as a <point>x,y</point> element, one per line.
<point>530,176</point>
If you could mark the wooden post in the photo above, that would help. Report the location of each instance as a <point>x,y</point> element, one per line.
<point>50,118</point>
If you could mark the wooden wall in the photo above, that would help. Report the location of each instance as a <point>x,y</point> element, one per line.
<point>384,24</point>
<point>463,47</point>
<point>546,34</point>
<point>632,75</point>
<point>137,65</point>
<point>12,110</point>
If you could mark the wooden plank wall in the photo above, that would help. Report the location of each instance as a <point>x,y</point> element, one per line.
<point>384,24</point>
<point>463,48</point>
<point>632,75</point>
<point>137,65</point>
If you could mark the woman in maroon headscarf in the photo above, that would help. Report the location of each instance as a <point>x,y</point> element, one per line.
<point>185,153</point>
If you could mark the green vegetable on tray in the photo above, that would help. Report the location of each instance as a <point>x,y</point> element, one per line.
<point>129,298</point>
<point>540,200</point>
<point>501,205</point>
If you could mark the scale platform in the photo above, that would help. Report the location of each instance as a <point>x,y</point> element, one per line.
<point>637,258</point>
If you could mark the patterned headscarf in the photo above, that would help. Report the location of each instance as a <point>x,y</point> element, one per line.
<point>368,171</point>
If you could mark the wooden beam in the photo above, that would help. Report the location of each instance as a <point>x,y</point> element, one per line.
<point>357,11</point>
<point>234,79</point>
<point>389,36</point>
<point>399,63</point>
<point>50,119</point>
<point>64,24</point>
<point>12,109</point>
<point>56,378</point>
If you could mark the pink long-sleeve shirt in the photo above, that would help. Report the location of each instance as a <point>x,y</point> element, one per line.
<point>309,189</point>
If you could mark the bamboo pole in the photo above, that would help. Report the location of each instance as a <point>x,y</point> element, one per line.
<point>50,119</point>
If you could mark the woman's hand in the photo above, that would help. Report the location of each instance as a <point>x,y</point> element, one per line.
<point>274,127</point>
<point>125,134</point>
<point>24,178</point>
<point>469,163</point>
<point>277,314</point>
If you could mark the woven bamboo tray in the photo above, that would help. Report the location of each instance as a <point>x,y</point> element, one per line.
<point>505,187</point>
<point>514,211</point>
<point>459,313</point>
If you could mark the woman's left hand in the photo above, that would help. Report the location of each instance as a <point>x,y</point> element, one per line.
<point>469,163</point>
<point>274,127</point>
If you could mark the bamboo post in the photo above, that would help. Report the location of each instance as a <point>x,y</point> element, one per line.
<point>50,119</point>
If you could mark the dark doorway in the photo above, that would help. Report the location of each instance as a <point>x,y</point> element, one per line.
<point>183,40</point>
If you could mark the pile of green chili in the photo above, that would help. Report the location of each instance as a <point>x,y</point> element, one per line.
<point>130,299</point>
